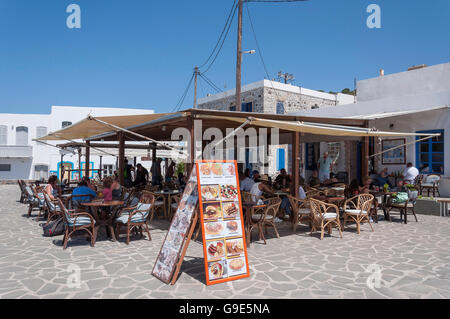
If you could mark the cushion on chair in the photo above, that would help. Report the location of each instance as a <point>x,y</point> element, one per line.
<point>80,221</point>
<point>257,217</point>
<point>329,215</point>
<point>159,203</point>
<point>355,212</point>
<point>402,205</point>
<point>304,211</point>
<point>138,218</point>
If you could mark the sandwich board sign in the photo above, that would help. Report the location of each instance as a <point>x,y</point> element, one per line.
<point>212,193</point>
<point>221,219</point>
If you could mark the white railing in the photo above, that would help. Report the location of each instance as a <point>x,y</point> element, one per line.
<point>10,151</point>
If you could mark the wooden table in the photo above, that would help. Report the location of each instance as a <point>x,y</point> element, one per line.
<point>443,202</point>
<point>65,198</point>
<point>167,199</point>
<point>383,205</point>
<point>103,219</point>
<point>249,209</point>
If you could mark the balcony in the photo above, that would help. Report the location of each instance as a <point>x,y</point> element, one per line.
<point>11,151</point>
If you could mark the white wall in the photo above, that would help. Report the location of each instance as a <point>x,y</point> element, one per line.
<point>432,120</point>
<point>48,155</point>
<point>422,81</point>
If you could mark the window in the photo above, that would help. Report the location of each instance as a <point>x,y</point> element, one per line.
<point>108,170</point>
<point>430,153</point>
<point>5,167</point>
<point>41,131</point>
<point>21,135</point>
<point>41,172</point>
<point>3,135</point>
<point>247,107</point>
<point>280,108</point>
<point>334,149</point>
<point>66,123</point>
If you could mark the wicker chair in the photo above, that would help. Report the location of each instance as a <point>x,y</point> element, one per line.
<point>23,193</point>
<point>173,206</point>
<point>159,204</point>
<point>77,221</point>
<point>301,211</point>
<point>324,216</point>
<point>136,217</point>
<point>403,208</point>
<point>53,208</point>
<point>265,217</point>
<point>36,200</point>
<point>357,209</point>
<point>431,183</point>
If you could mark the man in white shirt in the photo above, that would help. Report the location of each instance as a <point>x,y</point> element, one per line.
<point>410,173</point>
<point>247,182</point>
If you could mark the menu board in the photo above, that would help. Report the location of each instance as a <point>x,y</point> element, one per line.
<point>224,245</point>
<point>169,254</point>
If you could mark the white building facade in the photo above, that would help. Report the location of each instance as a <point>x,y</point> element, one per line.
<point>415,101</point>
<point>23,158</point>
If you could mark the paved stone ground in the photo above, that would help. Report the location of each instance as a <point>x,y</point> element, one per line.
<point>414,260</point>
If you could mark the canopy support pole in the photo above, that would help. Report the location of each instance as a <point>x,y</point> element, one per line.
<point>87,165</point>
<point>121,139</point>
<point>295,183</point>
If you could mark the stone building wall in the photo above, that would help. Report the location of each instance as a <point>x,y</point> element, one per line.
<point>265,100</point>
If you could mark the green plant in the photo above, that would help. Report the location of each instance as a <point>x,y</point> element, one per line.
<point>180,168</point>
<point>411,187</point>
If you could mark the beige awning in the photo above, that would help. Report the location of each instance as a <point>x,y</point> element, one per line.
<point>315,128</point>
<point>88,127</point>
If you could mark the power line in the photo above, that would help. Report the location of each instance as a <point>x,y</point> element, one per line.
<point>223,40</point>
<point>259,49</point>
<point>210,83</point>
<point>183,97</point>
<point>274,1</point>
<point>221,35</point>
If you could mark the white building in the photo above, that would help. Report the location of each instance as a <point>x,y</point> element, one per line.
<point>23,158</point>
<point>413,101</point>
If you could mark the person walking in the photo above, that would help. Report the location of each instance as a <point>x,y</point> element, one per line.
<point>326,164</point>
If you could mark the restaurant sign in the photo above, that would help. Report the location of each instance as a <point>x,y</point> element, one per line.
<point>224,245</point>
<point>221,219</point>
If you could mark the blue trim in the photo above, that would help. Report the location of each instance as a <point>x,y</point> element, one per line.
<point>59,169</point>
<point>430,142</point>
<point>281,159</point>
<point>92,172</point>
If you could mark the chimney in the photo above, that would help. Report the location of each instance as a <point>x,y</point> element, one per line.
<point>382,72</point>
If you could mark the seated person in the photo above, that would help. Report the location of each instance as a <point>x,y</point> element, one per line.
<point>401,187</point>
<point>107,191</point>
<point>283,180</point>
<point>331,182</point>
<point>314,180</point>
<point>367,186</point>
<point>255,175</point>
<point>181,181</point>
<point>286,204</point>
<point>141,176</point>
<point>83,189</point>
<point>116,189</point>
<point>247,182</point>
<point>259,188</point>
<point>352,189</point>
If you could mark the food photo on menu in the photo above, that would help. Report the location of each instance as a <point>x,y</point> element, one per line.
<point>234,246</point>
<point>228,192</point>
<point>229,169</point>
<point>217,270</point>
<point>236,266</point>
<point>210,192</point>
<point>215,249</point>
<point>230,209</point>
<point>233,228</point>
<point>214,230</point>
<point>212,211</point>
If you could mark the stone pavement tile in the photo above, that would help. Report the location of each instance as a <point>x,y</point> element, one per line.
<point>98,283</point>
<point>13,294</point>
<point>283,286</point>
<point>277,276</point>
<point>33,284</point>
<point>48,289</point>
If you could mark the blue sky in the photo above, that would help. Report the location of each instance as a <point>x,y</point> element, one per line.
<point>141,53</point>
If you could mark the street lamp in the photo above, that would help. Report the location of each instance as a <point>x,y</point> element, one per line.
<point>247,52</point>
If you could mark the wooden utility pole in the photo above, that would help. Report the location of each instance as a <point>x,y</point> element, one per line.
<point>239,59</point>
<point>195,87</point>
<point>88,160</point>
<point>121,138</point>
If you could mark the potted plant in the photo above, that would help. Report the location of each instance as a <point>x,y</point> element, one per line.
<point>413,193</point>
